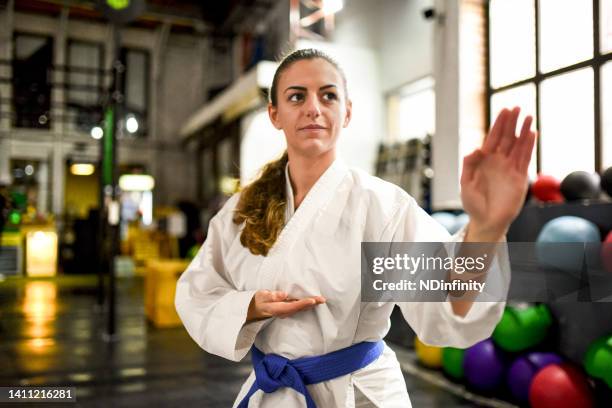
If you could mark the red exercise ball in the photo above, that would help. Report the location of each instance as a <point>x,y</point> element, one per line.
<point>547,189</point>
<point>560,385</point>
<point>606,252</point>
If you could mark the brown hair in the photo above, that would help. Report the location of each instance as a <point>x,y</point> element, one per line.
<point>263,203</point>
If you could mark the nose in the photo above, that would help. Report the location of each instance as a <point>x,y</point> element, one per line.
<point>312,107</point>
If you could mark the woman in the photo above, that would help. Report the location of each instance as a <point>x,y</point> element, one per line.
<point>279,273</point>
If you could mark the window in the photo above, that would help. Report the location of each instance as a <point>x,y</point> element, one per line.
<point>411,111</point>
<point>84,78</point>
<point>32,62</point>
<point>136,90</point>
<point>556,67</point>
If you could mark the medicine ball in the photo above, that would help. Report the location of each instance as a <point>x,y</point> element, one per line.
<point>606,181</point>
<point>524,368</point>
<point>598,360</point>
<point>547,189</point>
<point>580,185</point>
<point>484,365</point>
<point>520,329</point>
<point>560,385</point>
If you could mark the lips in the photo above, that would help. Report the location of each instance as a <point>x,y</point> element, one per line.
<point>311,127</point>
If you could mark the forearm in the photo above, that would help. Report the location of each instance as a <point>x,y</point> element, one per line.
<point>487,238</point>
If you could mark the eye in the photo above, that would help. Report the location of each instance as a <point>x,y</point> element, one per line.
<point>296,97</point>
<point>330,96</point>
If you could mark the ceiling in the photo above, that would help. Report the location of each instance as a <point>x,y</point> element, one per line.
<point>219,17</point>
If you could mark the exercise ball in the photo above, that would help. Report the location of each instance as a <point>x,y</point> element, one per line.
<point>460,221</point>
<point>520,329</point>
<point>565,229</point>
<point>429,356</point>
<point>484,365</point>
<point>560,385</point>
<point>598,360</point>
<point>452,362</point>
<point>580,185</point>
<point>606,252</point>
<point>606,181</point>
<point>524,368</point>
<point>547,189</point>
<point>446,219</point>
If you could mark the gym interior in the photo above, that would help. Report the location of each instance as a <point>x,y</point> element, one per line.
<point>125,126</point>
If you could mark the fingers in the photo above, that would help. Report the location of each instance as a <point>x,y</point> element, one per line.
<point>523,148</point>
<point>508,137</point>
<point>525,158</point>
<point>492,140</point>
<point>470,163</point>
<point>288,307</point>
<point>271,295</point>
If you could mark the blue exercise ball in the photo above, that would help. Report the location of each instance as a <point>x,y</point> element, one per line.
<point>460,221</point>
<point>554,243</point>
<point>446,219</point>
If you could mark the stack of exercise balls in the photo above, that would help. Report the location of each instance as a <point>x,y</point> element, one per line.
<point>576,186</point>
<point>514,362</point>
<point>557,354</point>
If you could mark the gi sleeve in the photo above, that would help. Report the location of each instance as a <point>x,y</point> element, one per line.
<point>212,310</point>
<point>435,323</point>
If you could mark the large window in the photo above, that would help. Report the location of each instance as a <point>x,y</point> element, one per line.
<point>84,90</point>
<point>136,89</point>
<point>552,58</point>
<point>32,62</point>
<point>411,111</point>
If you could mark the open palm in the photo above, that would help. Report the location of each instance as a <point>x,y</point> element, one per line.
<point>494,177</point>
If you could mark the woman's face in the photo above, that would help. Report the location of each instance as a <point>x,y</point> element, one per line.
<point>312,107</point>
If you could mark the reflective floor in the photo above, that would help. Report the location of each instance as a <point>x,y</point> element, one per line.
<point>52,334</point>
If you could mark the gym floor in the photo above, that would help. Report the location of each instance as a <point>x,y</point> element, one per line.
<point>52,335</point>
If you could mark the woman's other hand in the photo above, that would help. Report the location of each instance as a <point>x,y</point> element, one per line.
<point>494,177</point>
<point>267,303</point>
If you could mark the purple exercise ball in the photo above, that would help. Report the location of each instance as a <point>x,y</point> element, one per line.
<point>524,368</point>
<point>484,365</point>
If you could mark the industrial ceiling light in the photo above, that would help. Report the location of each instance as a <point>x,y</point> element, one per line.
<point>131,124</point>
<point>82,169</point>
<point>96,132</point>
<point>136,182</point>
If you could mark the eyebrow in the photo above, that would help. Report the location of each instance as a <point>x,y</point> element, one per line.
<point>303,88</point>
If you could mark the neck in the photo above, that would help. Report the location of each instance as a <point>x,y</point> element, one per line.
<point>305,171</point>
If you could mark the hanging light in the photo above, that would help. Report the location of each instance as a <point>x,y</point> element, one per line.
<point>131,124</point>
<point>136,182</point>
<point>82,169</point>
<point>96,132</point>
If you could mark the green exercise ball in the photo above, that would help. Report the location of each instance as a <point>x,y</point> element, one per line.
<point>521,328</point>
<point>452,362</point>
<point>598,359</point>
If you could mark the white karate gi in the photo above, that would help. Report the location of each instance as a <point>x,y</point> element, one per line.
<point>318,253</point>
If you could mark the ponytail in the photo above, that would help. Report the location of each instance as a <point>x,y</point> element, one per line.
<point>262,208</point>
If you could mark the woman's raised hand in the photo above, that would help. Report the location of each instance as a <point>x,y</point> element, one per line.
<point>494,177</point>
<point>267,303</point>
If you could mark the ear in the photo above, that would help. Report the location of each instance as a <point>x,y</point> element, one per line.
<point>349,113</point>
<point>273,114</point>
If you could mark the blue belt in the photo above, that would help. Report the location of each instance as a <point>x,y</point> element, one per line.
<point>273,371</point>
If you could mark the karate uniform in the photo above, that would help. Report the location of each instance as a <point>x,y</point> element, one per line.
<point>318,253</point>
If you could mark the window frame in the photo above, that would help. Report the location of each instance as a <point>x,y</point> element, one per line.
<point>123,53</point>
<point>595,63</point>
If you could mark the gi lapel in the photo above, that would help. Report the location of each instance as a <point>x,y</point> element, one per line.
<point>319,195</point>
